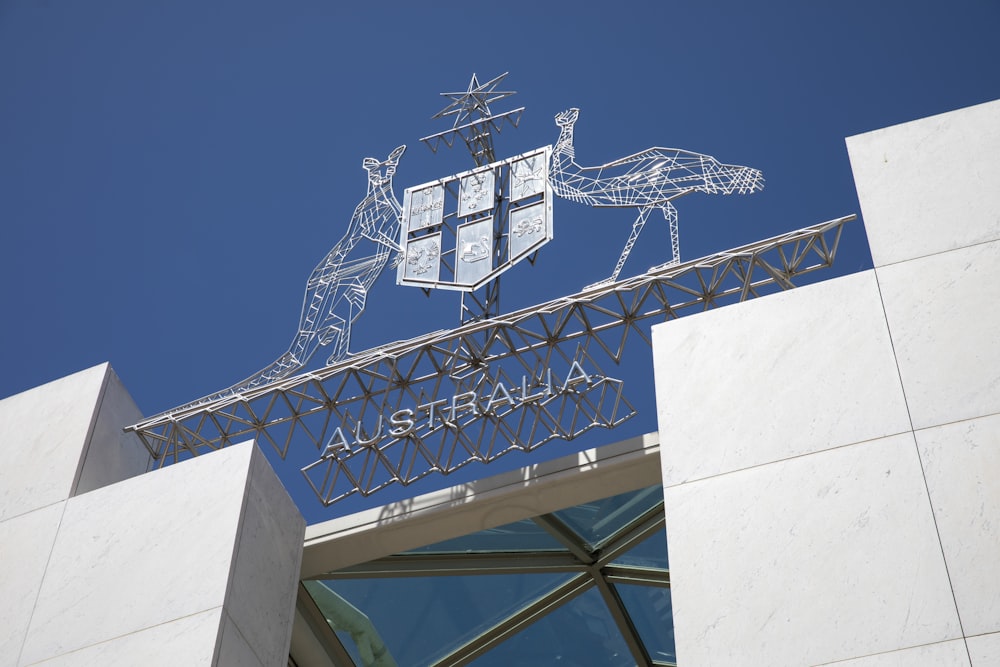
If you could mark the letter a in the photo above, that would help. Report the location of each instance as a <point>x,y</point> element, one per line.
<point>575,376</point>
<point>336,443</point>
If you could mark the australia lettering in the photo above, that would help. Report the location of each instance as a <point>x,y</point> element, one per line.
<point>450,412</point>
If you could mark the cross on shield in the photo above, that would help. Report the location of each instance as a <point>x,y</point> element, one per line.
<point>463,231</point>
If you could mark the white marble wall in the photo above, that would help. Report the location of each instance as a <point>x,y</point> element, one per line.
<point>264,576</point>
<point>44,438</point>
<point>112,454</point>
<point>25,543</point>
<point>190,641</point>
<point>984,650</point>
<point>55,440</point>
<point>962,466</point>
<point>930,195</point>
<point>930,185</point>
<point>214,538</point>
<point>943,654</point>
<point>831,454</point>
<point>194,564</point>
<point>800,523</point>
<point>747,379</point>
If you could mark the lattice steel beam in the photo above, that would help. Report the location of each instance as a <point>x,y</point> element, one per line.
<point>548,359</point>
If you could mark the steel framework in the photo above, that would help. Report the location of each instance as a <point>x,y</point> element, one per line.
<point>581,332</point>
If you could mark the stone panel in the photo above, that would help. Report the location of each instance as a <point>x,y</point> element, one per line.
<point>235,651</point>
<point>951,654</point>
<point>985,650</point>
<point>945,326</point>
<point>930,185</point>
<point>777,377</point>
<point>819,558</point>
<point>146,551</point>
<point>43,435</point>
<point>25,543</point>
<point>188,641</point>
<point>266,572</point>
<point>962,465</point>
<point>113,455</point>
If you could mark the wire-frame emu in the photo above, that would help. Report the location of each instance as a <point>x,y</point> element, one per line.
<point>646,180</point>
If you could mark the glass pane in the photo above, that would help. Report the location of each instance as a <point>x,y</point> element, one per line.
<point>597,521</point>
<point>652,552</point>
<point>421,619</point>
<point>523,535</point>
<point>651,613</point>
<point>579,633</point>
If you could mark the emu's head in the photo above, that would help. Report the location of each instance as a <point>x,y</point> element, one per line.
<point>567,118</point>
<point>380,172</point>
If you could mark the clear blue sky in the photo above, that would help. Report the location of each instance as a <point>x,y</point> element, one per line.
<point>170,172</point>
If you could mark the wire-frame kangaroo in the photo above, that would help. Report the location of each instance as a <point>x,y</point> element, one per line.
<point>337,288</point>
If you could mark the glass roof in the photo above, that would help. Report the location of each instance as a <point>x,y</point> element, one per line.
<point>651,553</point>
<point>525,535</point>
<point>597,521</point>
<point>419,617</point>
<point>587,585</point>
<point>594,639</point>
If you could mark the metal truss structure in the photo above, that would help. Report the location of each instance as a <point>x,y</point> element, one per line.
<point>337,288</point>
<point>650,179</point>
<point>513,382</point>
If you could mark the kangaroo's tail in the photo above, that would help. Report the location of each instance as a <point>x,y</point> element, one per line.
<point>293,360</point>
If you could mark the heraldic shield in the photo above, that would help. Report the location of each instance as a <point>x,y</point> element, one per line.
<point>463,231</point>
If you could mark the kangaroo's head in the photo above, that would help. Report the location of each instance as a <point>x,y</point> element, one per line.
<point>380,172</point>
<point>567,118</point>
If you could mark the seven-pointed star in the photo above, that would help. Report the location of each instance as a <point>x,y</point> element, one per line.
<point>476,98</point>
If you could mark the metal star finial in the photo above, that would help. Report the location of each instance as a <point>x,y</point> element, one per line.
<point>476,99</point>
<point>474,122</point>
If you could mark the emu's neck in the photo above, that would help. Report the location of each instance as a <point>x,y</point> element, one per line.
<point>564,145</point>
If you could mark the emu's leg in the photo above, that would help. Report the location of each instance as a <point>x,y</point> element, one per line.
<point>636,228</point>
<point>670,214</point>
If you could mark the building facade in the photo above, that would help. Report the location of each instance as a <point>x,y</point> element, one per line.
<point>826,469</point>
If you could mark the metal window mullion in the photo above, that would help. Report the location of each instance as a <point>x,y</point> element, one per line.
<point>515,562</point>
<point>567,537</point>
<point>639,576</point>
<point>649,523</point>
<point>513,624</point>
<point>621,618</point>
<point>321,628</point>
